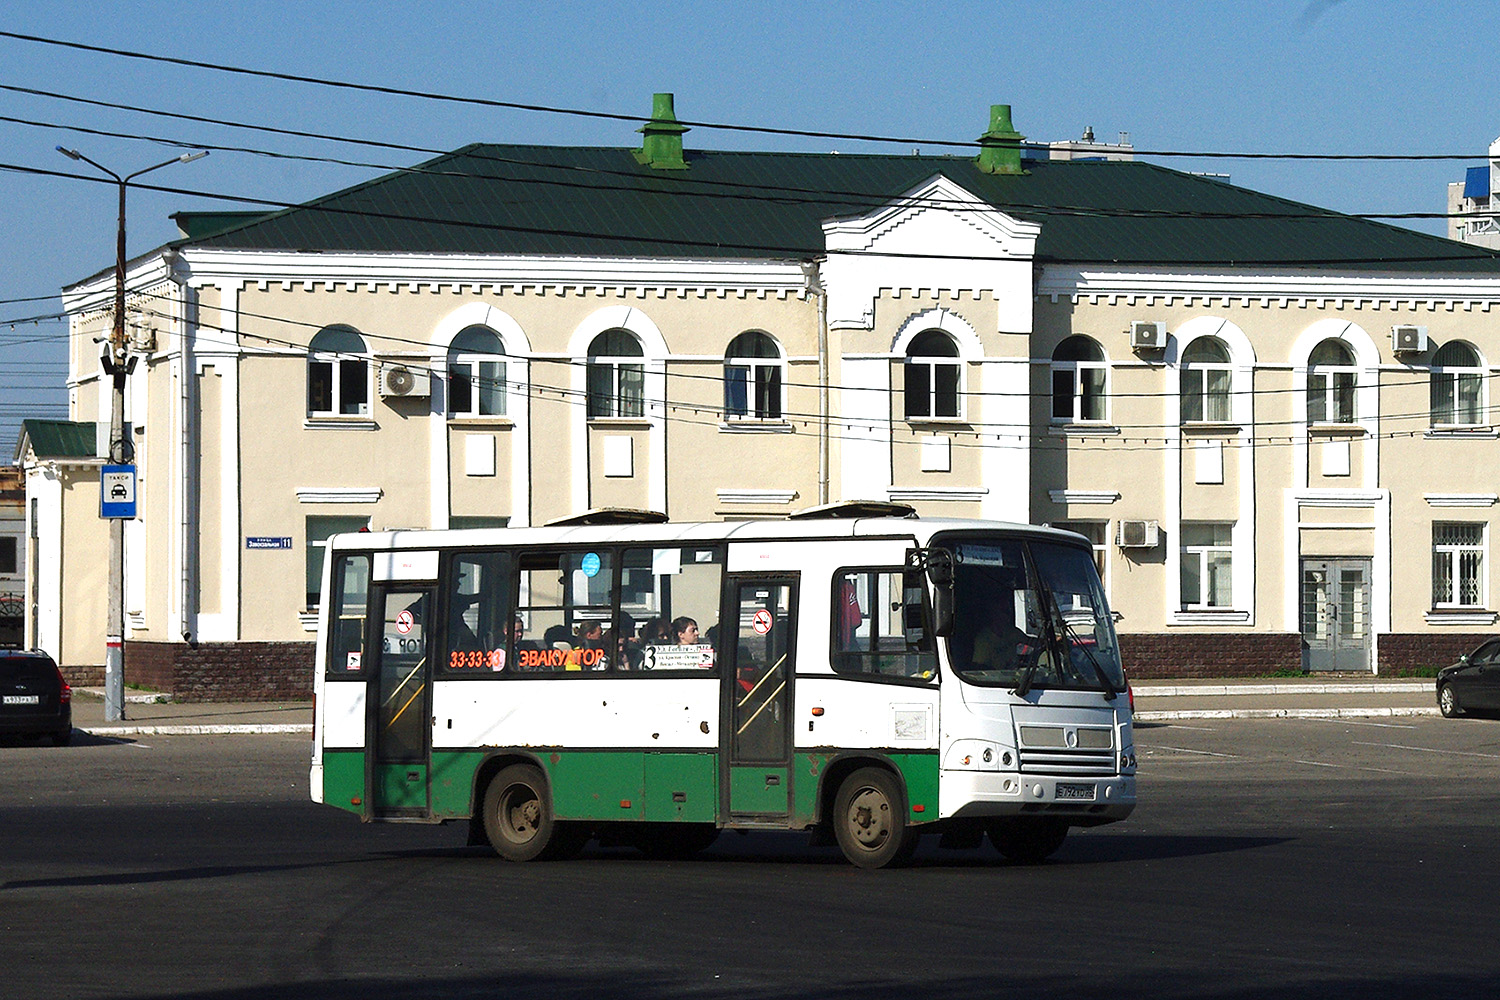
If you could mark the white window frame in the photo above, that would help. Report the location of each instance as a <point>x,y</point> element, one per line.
<point>336,362</point>
<point>317,543</point>
<point>1453,553</point>
<point>1447,379</point>
<point>764,382</point>
<point>1207,556</point>
<point>935,397</point>
<point>1077,374</point>
<point>1210,404</point>
<point>473,362</point>
<point>618,366</point>
<point>1324,381</point>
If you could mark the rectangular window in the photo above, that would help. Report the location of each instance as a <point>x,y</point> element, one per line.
<point>353,387</point>
<point>8,554</point>
<point>566,606</point>
<point>1455,398</point>
<point>880,625</point>
<point>481,623</point>
<point>669,606</point>
<point>351,594</point>
<point>1458,565</point>
<point>320,387</point>
<point>319,530</point>
<point>1207,581</point>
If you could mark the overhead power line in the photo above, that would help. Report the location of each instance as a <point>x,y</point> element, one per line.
<point>635,183</point>
<point>692,123</point>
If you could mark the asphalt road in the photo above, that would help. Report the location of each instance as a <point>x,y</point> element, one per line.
<point>1288,858</point>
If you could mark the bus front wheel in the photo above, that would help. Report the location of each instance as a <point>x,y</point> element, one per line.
<point>517,813</point>
<point>869,820</point>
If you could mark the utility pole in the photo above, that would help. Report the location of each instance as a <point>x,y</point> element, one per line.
<point>118,364</point>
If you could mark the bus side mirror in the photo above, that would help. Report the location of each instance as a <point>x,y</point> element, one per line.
<point>942,609</point>
<point>938,564</point>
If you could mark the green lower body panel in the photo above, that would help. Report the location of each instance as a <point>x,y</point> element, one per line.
<point>919,773</point>
<point>400,786</point>
<point>344,779</point>
<point>453,783</point>
<point>758,790</point>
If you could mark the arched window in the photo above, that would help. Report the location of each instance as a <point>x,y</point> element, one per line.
<point>1457,381</point>
<point>1331,378</point>
<point>616,375</point>
<point>338,374</point>
<point>752,378</point>
<point>1078,380</point>
<point>932,376</point>
<point>476,374</point>
<point>1205,381</point>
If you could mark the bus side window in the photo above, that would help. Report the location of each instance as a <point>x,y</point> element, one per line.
<point>351,584</point>
<point>880,625</point>
<point>479,615</point>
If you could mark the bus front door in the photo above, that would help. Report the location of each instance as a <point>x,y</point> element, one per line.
<point>399,699</point>
<point>759,644</point>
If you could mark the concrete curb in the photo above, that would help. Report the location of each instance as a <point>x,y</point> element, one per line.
<point>1271,688</point>
<point>207,730</point>
<point>1285,713</point>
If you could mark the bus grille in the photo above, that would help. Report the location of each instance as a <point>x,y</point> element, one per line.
<point>1086,750</point>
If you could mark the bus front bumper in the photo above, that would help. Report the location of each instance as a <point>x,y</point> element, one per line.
<point>1082,800</point>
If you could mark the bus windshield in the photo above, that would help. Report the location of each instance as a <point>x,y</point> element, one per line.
<point>1031,614</point>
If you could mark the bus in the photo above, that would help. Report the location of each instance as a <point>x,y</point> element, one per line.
<point>855,671</point>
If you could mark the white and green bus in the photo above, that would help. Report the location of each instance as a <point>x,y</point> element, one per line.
<point>855,671</point>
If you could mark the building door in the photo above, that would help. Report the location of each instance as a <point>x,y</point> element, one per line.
<point>399,699</point>
<point>1336,614</point>
<point>759,643</point>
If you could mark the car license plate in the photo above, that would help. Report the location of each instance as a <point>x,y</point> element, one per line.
<point>1066,790</point>
<point>23,699</point>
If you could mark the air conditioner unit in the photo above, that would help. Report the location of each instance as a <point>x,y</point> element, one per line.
<point>1409,339</point>
<point>1147,335</point>
<point>1138,535</point>
<point>403,382</point>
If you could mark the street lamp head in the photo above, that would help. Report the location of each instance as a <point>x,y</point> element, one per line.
<point>71,154</point>
<point>190,157</point>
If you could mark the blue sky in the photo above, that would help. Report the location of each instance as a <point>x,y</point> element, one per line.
<point>1344,76</point>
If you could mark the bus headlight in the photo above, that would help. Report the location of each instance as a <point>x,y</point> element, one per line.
<point>1127,760</point>
<point>978,755</point>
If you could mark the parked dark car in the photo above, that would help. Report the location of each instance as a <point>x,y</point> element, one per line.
<point>1473,683</point>
<point>34,698</point>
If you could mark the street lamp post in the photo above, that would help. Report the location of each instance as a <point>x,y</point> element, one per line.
<point>118,365</point>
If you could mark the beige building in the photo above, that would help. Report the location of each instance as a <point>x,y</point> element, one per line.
<point>1272,420</point>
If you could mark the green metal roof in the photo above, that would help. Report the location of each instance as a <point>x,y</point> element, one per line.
<point>508,199</point>
<point>57,439</point>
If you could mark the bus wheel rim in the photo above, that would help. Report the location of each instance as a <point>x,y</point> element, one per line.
<point>870,818</point>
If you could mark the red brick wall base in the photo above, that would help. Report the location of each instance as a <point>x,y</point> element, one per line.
<point>222,671</point>
<point>1408,651</point>
<point>1159,655</point>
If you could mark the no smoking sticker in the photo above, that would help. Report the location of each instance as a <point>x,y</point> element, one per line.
<point>404,622</point>
<point>761,622</point>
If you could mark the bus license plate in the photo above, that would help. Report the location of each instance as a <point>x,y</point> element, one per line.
<point>1076,791</point>
<point>23,699</point>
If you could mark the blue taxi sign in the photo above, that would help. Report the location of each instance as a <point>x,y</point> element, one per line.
<point>117,491</point>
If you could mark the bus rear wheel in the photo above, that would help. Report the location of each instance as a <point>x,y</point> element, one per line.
<point>517,814</point>
<point>869,820</point>
<point>1028,841</point>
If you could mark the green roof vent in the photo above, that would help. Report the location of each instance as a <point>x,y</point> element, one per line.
<point>1000,147</point>
<point>662,147</point>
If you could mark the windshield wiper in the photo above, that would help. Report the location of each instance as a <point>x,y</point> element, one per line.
<point>1060,632</point>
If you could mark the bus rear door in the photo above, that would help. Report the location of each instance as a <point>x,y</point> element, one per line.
<point>399,700</point>
<point>759,644</point>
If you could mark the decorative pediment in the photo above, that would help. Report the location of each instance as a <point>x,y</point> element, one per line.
<point>938,238</point>
<point>937,217</point>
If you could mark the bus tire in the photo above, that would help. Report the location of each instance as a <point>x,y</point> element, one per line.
<point>517,813</point>
<point>869,820</point>
<point>1028,841</point>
